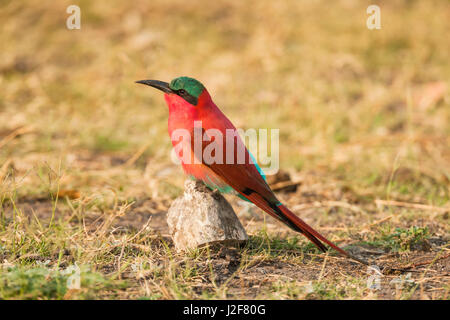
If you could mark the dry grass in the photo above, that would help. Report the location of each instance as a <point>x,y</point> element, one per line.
<point>84,153</point>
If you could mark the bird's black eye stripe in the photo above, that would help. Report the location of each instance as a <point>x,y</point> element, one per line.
<point>186,96</point>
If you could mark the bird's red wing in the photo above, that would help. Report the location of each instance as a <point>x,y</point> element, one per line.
<point>242,177</point>
<point>246,179</point>
<point>238,171</point>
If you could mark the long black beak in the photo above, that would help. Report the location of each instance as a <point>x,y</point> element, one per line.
<point>161,85</point>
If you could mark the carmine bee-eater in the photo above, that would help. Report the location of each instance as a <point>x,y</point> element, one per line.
<point>190,105</point>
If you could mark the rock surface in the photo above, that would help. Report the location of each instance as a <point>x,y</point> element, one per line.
<point>202,217</point>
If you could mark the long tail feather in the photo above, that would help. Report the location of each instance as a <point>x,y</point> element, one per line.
<point>306,229</point>
<point>311,233</point>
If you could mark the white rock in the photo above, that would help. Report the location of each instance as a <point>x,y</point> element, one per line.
<point>202,217</point>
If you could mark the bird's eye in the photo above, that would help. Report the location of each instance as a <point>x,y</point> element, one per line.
<point>182,91</point>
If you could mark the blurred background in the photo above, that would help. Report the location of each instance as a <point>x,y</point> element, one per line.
<point>350,102</point>
<point>364,117</point>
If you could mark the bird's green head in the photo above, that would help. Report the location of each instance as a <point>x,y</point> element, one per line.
<point>187,88</point>
<point>191,86</point>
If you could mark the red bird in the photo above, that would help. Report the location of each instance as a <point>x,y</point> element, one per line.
<point>192,111</point>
